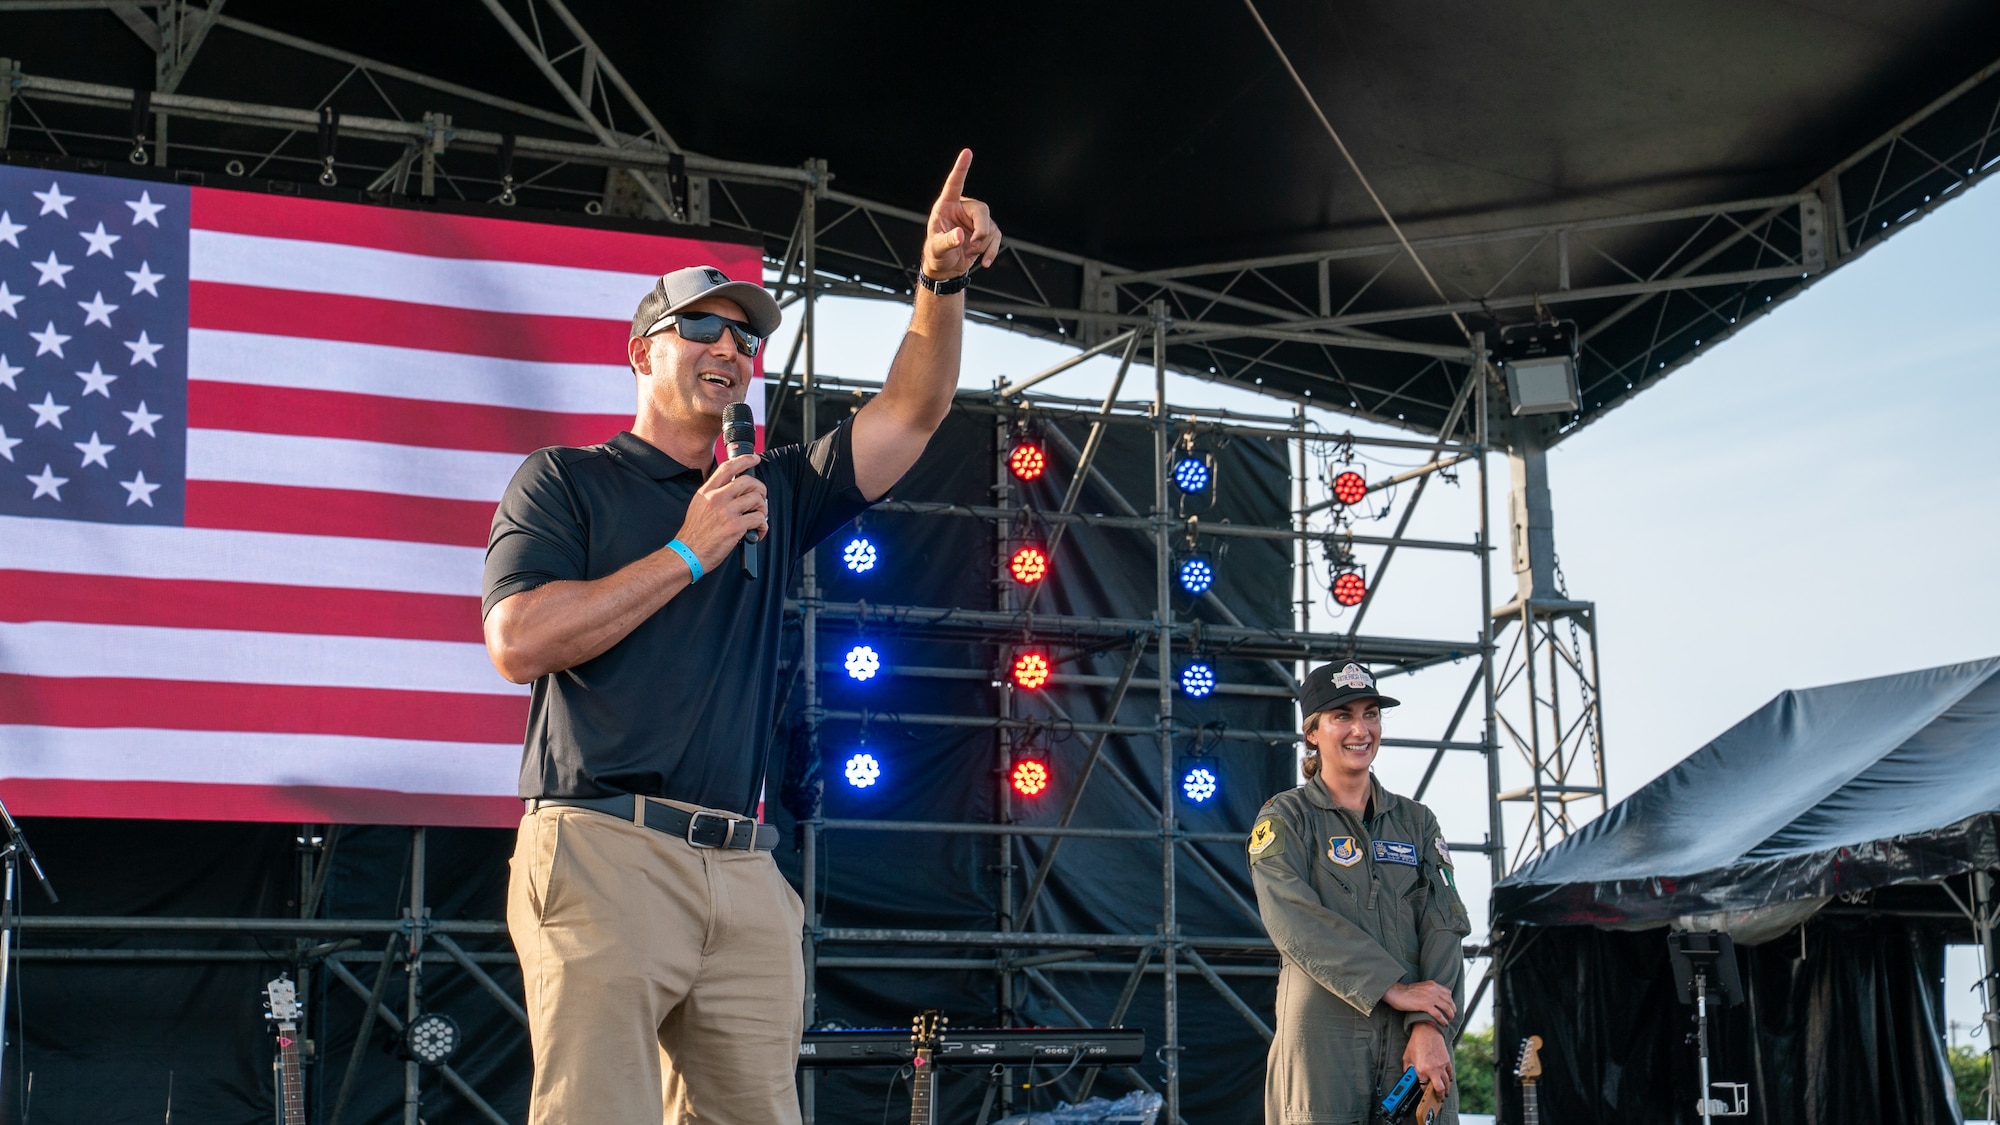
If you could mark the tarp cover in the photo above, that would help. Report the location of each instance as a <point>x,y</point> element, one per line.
<point>1820,792</point>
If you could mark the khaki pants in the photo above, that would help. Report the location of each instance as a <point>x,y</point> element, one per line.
<point>664,982</point>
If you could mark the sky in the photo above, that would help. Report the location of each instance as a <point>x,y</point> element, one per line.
<point>1810,502</point>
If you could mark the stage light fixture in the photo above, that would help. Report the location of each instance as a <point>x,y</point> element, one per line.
<point>1031,670</point>
<point>1191,473</point>
<point>1349,488</point>
<point>1197,679</point>
<point>863,770</point>
<point>1541,363</point>
<point>1197,575</point>
<point>431,1039</point>
<point>1031,777</point>
<point>1349,588</point>
<point>859,555</point>
<point>1029,565</point>
<point>1027,461</point>
<point>863,662</point>
<point>1199,782</point>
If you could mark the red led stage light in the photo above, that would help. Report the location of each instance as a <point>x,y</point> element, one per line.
<point>1031,670</point>
<point>1350,487</point>
<point>1031,777</point>
<point>1027,461</point>
<point>1029,565</point>
<point>1349,588</point>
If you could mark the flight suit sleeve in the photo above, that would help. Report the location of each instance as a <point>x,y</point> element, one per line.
<point>1330,948</point>
<point>1442,925</point>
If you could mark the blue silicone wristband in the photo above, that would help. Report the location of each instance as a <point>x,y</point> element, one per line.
<point>686,552</point>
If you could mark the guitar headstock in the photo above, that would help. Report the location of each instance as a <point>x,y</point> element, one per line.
<point>1529,1067</point>
<point>926,1028</point>
<point>281,1000</point>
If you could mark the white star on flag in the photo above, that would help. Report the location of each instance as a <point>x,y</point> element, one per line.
<point>140,492</point>
<point>49,340</point>
<point>48,412</point>
<point>140,419</point>
<point>143,210</point>
<point>9,228</point>
<point>7,444</point>
<point>54,200</point>
<point>48,484</point>
<point>96,382</point>
<point>100,241</point>
<point>144,279</point>
<point>97,311</point>
<point>143,351</point>
<point>8,371</point>
<point>9,300</point>
<point>52,270</point>
<point>94,450</point>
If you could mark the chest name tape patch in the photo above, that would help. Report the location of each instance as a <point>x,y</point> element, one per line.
<point>1395,851</point>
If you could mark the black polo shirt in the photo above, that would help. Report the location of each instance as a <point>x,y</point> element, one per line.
<point>682,706</point>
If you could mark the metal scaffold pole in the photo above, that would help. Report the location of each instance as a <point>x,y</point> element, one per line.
<point>1164,608</point>
<point>809,616</point>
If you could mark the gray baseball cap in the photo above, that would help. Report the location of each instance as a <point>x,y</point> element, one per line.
<point>681,288</point>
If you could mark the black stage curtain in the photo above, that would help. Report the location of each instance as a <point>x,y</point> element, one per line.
<point>1846,1028</point>
<point>105,1038</point>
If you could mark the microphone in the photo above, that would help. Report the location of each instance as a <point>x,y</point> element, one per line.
<point>739,437</point>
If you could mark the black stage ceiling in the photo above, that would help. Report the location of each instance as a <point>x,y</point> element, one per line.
<point>1658,173</point>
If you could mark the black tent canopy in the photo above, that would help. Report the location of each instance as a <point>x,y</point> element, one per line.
<point>1844,834</point>
<point>1821,792</point>
<point>1661,174</point>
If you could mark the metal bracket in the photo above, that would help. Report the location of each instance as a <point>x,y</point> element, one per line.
<point>1812,234</point>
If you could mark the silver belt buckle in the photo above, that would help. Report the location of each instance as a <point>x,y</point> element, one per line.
<point>728,834</point>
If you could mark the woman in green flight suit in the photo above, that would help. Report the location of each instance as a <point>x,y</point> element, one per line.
<point>1355,886</point>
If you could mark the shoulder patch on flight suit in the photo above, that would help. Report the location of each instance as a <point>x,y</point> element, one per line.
<point>1343,850</point>
<point>1268,838</point>
<point>1444,854</point>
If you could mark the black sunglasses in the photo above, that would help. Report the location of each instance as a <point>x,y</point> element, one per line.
<point>706,328</point>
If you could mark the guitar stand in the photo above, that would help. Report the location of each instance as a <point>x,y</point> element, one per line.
<point>15,850</point>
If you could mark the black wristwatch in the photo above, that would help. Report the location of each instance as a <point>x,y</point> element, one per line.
<point>949,285</point>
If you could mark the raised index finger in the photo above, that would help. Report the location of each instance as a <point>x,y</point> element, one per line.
<point>954,184</point>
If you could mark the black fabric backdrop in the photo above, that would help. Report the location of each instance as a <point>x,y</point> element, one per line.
<point>1844,1029</point>
<point>104,1039</point>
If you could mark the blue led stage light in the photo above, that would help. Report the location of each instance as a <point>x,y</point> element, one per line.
<point>1191,474</point>
<point>863,770</point>
<point>1197,575</point>
<point>863,662</point>
<point>1199,783</point>
<point>1197,679</point>
<point>859,555</point>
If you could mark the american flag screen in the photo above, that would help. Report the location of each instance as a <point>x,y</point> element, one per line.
<point>250,446</point>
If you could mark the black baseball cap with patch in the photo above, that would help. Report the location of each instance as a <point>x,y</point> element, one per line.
<point>1331,685</point>
<point>681,288</point>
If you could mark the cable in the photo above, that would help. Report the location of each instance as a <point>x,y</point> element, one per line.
<point>1349,157</point>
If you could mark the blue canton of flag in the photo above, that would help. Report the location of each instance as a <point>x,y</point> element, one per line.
<point>93,347</point>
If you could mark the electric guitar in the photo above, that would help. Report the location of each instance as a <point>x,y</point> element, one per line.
<point>1529,1071</point>
<point>925,1032</point>
<point>281,1004</point>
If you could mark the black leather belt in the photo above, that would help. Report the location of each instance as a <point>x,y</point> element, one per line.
<point>703,829</point>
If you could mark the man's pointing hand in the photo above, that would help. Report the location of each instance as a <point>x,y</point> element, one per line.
<point>961,233</point>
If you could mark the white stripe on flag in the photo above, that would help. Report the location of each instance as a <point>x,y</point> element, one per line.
<point>342,463</point>
<point>269,558</point>
<point>255,758</point>
<point>486,285</point>
<point>375,369</point>
<point>147,652</point>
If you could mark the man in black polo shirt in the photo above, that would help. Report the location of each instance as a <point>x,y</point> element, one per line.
<point>659,946</point>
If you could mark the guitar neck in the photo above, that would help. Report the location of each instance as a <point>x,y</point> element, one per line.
<point>288,1073</point>
<point>1531,1105</point>
<point>923,1086</point>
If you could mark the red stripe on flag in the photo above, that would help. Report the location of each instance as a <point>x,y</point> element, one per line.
<point>93,701</point>
<point>235,506</point>
<point>186,603</point>
<point>400,421</point>
<point>169,800</point>
<point>465,236</point>
<point>402,324</point>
